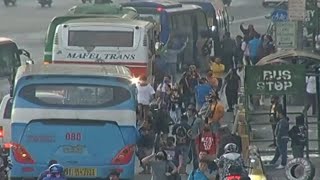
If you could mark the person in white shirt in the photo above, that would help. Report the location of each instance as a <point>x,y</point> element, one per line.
<point>145,96</point>
<point>311,94</point>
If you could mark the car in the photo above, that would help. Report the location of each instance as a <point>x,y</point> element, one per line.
<point>274,3</point>
<point>5,120</point>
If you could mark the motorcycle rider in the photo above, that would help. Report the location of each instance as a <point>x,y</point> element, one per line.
<point>5,165</point>
<point>56,173</point>
<point>231,162</point>
<point>46,172</point>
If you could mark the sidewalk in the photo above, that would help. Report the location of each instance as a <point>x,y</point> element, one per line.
<point>280,174</point>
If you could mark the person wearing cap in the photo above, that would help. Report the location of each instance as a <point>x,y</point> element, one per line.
<point>46,172</point>
<point>114,175</point>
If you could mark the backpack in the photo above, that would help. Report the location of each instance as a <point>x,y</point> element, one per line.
<point>301,135</point>
<point>181,134</point>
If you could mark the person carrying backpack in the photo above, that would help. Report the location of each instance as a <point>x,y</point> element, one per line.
<point>183,133</point>
<point>298,135</point>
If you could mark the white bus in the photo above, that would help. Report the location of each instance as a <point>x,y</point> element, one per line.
<point>116,41</point>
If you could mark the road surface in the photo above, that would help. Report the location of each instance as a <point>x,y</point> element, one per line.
<point>27,25</point>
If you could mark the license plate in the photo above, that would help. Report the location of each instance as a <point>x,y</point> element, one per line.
<point>80,172</point>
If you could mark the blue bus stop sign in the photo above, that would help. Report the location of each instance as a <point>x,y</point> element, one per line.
<point>279,15</point>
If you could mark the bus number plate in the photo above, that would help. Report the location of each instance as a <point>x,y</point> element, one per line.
<point>80,172</point>
<point>73,136</point>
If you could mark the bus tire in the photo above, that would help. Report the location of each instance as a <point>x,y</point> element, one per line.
<point>308,169</point>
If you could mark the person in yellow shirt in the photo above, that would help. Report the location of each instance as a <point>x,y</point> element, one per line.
<point>217,112</point>
<point>214,83</point>
<point>218,69</point>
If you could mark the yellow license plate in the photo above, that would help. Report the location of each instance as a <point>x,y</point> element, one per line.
<point>81,172</point>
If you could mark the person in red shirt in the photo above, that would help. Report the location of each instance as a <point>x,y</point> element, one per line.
<point>206,142</point>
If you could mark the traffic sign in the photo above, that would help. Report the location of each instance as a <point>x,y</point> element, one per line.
<point>297,10</point>
<point>286,35</point>
<point>275,79</point>
<point>279,15</point>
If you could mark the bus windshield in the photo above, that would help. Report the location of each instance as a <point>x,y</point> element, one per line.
<point>74,95</point>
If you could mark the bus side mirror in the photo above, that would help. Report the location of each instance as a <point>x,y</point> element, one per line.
<point>26,54</point>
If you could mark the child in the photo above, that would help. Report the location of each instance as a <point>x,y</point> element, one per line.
<point>298,134</point>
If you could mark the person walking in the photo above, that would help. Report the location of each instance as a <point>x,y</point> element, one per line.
<point>228,49</point>
<point>298,135</point>
<point>274,116</point>
<point>311,94</point>
<point>232,82</point>
<point>145,95</point>
<point>282,138</point>
<point>254,46</point>
<point>218,70</point>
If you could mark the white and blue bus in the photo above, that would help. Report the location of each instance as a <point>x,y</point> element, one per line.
<point>82,116</point>
<point>179,19</point>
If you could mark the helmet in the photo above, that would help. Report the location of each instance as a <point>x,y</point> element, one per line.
<point>192,68</point>
<point>230,148</point>
<point>56,169</point>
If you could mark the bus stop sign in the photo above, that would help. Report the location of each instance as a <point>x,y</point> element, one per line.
<point>275,79</point>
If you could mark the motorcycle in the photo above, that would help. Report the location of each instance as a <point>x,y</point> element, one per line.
<point>227,2</point>
<point>43,3</point>
<point>85,1</point>
<point>9,2</point>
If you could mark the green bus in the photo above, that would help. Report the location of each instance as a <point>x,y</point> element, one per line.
<point>82,12</point>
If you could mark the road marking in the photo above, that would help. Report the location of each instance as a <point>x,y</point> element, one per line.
<point>249,19</point>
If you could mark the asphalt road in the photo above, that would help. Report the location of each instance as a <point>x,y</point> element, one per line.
<point>27,25</point>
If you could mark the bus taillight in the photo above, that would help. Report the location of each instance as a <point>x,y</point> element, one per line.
<point>124,156</point>
<point>21,155</point>
<point>1,132</point>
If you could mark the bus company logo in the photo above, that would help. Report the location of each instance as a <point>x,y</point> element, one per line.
<point>41,138</point>
<point>89,49</point>
<point>102,56</point>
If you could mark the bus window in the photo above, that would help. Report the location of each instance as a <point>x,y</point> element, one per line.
<point>8,109</point>
<point>9,60</point>
<point>75,95</point>
<point>202,22</point>
<point>150,17</point>
<point>151,42</point>
<point>100,38</point>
